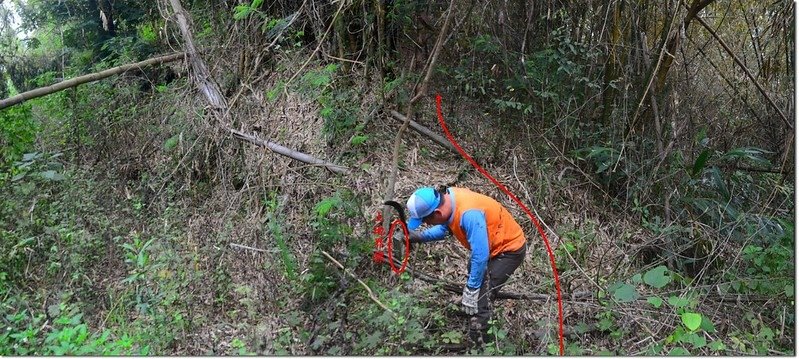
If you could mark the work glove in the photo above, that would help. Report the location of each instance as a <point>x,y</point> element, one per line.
<point>413,237</point>
<point>469,300</point>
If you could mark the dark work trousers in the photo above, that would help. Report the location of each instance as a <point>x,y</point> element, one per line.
<point>499,270</point>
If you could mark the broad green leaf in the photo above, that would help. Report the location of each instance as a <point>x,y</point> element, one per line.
<point>241,11</point>
<point>700,342</point>
<point>357,140</point>
<point>699,164</point>
<point>326,113</point>
<point>657,277</point>
<point>691,320</point>
<point>695,339</point>
<point>331,68</point>
<point>766,334</point>
<point>31,156</point>
<point>678,302</point>
<point>707,325</point>
<point>789,290</point>
<point>655,301</point>
<point>625,293</point>
<point>701,137</point>
<point>747,153</point>
<point>654,350</point>
<point>679,352</point>
<point>719,183</point>
<point>717,345</point>
<point>679,332</point>
<point>52,175</point>
<point>636,278</point>
<point>324,207</point>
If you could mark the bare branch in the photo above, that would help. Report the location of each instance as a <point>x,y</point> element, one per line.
<point>748,74</point>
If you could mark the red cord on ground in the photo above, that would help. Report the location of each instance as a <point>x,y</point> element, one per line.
<point>515,199</point>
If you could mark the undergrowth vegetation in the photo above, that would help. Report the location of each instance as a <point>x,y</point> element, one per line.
<point>132,223</point>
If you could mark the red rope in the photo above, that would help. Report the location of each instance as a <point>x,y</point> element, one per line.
<point>515,199</point>
<point>407,247</point>
<point>378,256</point>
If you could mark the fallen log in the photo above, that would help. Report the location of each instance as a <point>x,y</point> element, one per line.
<point>46,90</point>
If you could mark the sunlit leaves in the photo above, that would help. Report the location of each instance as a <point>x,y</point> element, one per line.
<point>691,320</point>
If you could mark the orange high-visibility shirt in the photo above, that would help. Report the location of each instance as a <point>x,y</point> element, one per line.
<point>504,234</point>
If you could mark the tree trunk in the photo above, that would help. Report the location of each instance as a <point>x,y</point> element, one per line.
<point>674,41</point>
<point>611,72</point>
<point>107,17</point>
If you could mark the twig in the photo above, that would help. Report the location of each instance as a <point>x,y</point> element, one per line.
<point>234,245</point>
<point>299,156</point>
<point>646,90</point>
<point>368,290</point>
<point>318,46</point>
<point>425,131</point>
<point>745,70</point>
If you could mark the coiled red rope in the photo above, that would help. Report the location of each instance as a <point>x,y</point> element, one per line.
<point>378,256</point>
<point>515,199</point>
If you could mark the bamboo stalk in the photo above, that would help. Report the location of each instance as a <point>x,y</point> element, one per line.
<point>43,91</point>
<point>745,70</point>
<point>299,156</point>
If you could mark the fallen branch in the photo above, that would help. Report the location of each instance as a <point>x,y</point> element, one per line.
<point>302,157</point>
<point>761,170</point>
<point>202,77</point>
<point>368,290</point>
<point>234,245</point>
<point>425,131</point>
<point>42,91</point>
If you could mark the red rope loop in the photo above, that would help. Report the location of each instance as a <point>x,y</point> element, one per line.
<point>379,256</point>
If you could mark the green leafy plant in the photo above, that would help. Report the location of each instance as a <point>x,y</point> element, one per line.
<point>17,133</point>
<point>242,11</point>
<point>274,222</point>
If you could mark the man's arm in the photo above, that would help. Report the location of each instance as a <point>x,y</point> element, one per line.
<point>435,233</point>
<point>474,225</point>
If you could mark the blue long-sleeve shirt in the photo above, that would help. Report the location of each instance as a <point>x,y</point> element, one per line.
<point>473,223</point>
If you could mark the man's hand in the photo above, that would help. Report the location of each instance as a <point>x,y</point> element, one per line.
<point>469,300</point>
<point>413,237</point>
